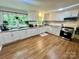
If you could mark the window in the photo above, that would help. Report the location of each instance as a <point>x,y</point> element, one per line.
<point>15,20</point>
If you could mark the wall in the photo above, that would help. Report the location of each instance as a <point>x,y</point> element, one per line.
<point>68,24</point>
<point>1,18</point>
<point>32,15</point>
<point>2,8</point>
<point>52,17</point>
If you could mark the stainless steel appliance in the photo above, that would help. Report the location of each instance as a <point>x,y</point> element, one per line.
<point>67,32</point>
<point>71,19</point>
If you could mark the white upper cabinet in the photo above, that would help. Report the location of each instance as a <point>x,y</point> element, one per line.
<point>65,14</point>
<point>59,16</point>
<point>1,18</point>
<point>51,16</point>
<point>74,13</point>
<point>46,16</point>
<point>32,16</point>
<point>55,16</point>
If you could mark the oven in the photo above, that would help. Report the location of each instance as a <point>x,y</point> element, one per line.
<point>66,32</point>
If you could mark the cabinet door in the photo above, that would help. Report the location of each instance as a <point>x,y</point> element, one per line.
<point>41,30</point>
<point>33,31</point>
<point>32,16</point>
<point>54,30</point>
<point>8,37</point>
<point>30,32</point>
<point>61,17</point>
<point>24,34</point>
<point>16,35</point>
<point>19,35</point>
<point>74,13</point>
<point>51,16</point>
<point>49,29</point>
<point>1,39</point>
<point>57,31</point>
<point>27,33</point>
<point>1,18</point>
<point>46,17</point>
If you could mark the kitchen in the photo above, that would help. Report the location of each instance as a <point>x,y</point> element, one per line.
<point>20,24</point>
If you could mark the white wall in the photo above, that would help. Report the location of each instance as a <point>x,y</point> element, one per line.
<point>52,17</point>
<point>1,18</point>
<point>32,15</point>
<point>60,15</point>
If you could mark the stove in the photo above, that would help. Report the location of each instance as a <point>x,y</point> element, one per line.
<point>67,32</point>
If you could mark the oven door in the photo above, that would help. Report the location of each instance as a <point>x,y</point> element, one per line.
<point>66,32</point>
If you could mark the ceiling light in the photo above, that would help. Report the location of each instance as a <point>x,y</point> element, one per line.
<point>68,7</point>
<point>60,9</point>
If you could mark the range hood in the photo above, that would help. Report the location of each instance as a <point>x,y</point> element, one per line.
<point>71,19</point>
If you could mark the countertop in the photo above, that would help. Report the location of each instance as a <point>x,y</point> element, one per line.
<point>26,28</point>
<point>19,29</point>
<point>64,25</point>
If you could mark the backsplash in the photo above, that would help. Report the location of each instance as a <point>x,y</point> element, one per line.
<point>68,24</point>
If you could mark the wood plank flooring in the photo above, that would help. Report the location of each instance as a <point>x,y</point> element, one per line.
<point>37,47</point>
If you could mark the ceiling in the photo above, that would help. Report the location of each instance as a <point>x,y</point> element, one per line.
<point>38,4</point>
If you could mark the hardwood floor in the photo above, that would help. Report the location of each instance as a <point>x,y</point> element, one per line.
<point>37,47</point>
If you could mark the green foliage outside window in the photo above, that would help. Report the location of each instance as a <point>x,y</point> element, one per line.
<point>13,22</point>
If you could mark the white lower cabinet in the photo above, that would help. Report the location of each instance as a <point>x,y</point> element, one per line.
<point>16,35</point>
<point>1,39</point>
<point>54,30</point>
<point>32,32</point>
<point>49,29</point>
<point>22,34</point>
<point>57,31</point>
<point>19,35</point>
<point>42,30</point>
<point>8,37</point>
<point>27,33</point>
